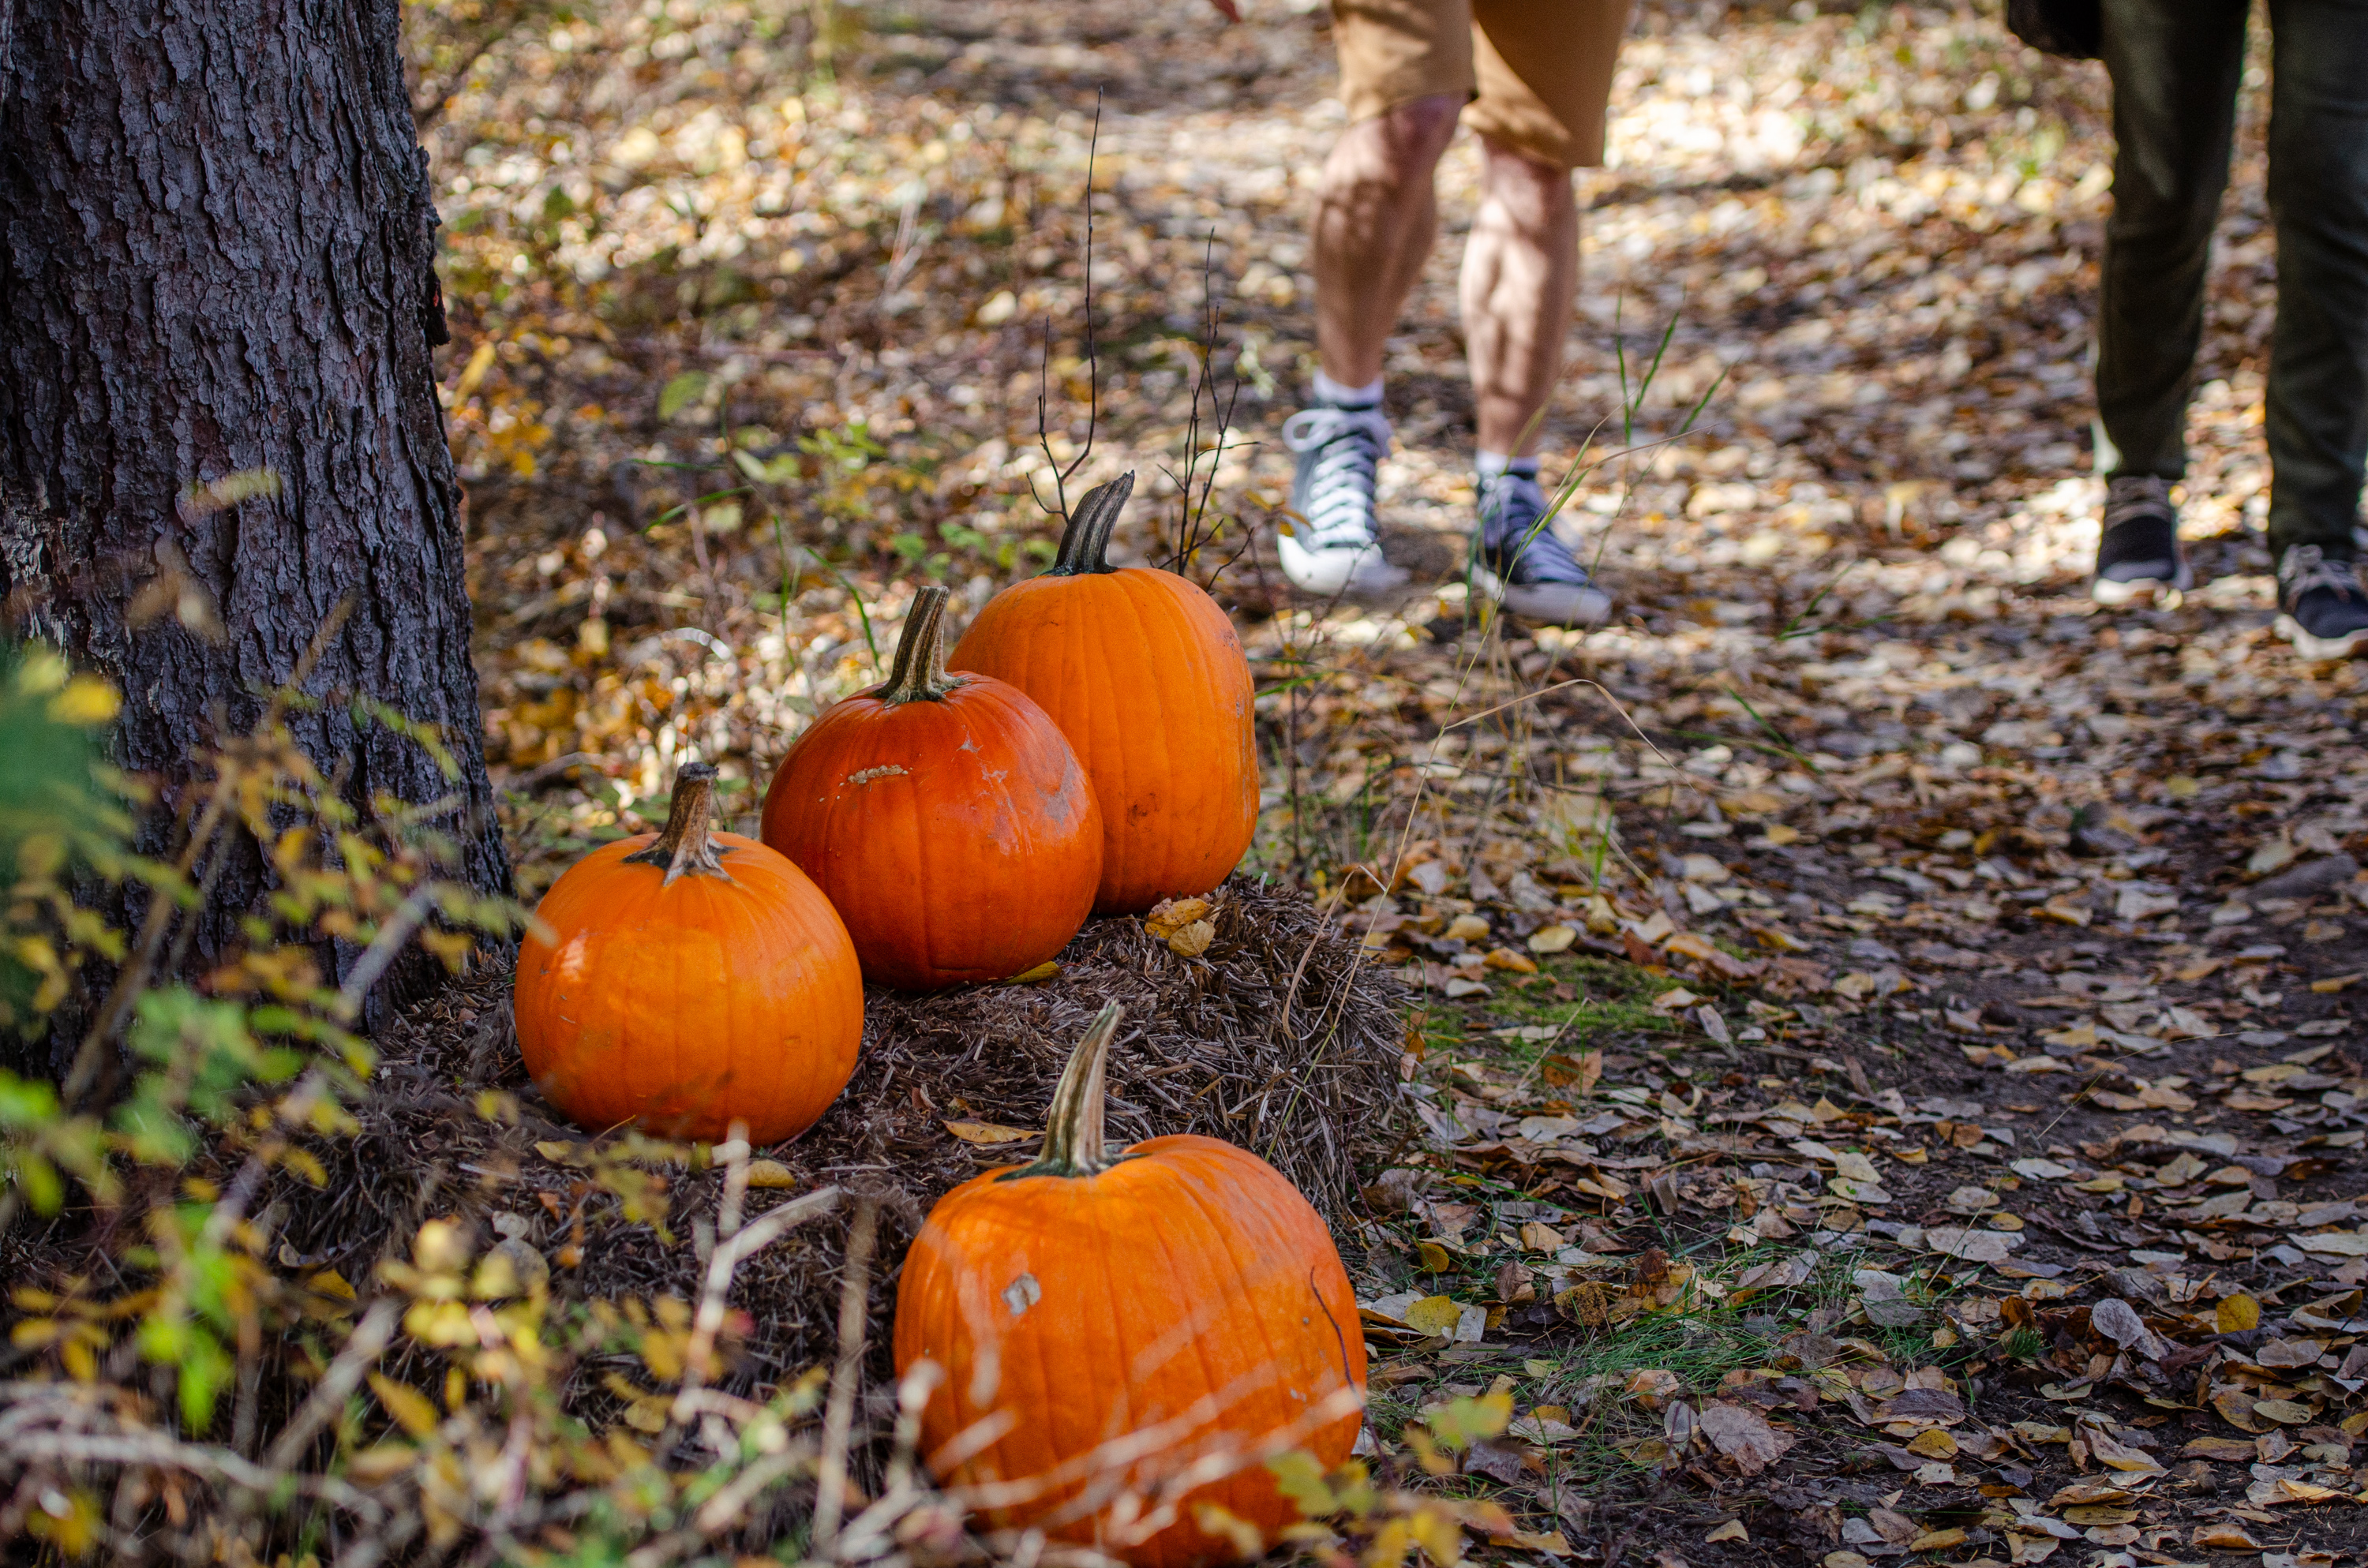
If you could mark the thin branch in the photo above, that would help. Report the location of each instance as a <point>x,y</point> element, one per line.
<point>854,1297</point>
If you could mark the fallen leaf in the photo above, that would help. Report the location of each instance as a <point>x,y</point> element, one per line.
<point>2224,1538</point>
<point>1731,1531</point>
<point>988,1132</point>
<point>1171,915</point>
<point>2227,1451</point>
<point>771,1174</point>
<point>2236,1313</point>
<point>1434,1315</point>
<point>1743,1434</point>
<point>1191,940</point>
<point>1552,939</point>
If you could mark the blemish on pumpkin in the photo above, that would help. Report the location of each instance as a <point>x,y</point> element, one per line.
<point>868,774</point>
<point>1022,1293</point>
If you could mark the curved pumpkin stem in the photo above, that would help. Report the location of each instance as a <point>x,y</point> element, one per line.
<point>1074,1144</point>
<point>1085,543</point>
<point>919,672</point>
<point>686,847</point>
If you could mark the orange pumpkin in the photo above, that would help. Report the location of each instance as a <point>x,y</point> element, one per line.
<point>690,980</point>
<point>1144,674</point>
<point>1109,1320</point>
<point>944,816</point>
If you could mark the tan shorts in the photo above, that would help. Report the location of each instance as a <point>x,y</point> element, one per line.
<point>1535,73</point>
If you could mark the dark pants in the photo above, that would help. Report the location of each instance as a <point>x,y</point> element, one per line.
<point>2175,65</point>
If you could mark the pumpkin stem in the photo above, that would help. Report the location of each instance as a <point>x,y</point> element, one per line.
<point>919,672</point>
<point>686,845</point>
<point>1074,1142</point>
<point>1085,543</point>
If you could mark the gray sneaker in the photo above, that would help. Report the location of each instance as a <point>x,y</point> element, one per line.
<point>1518,562</point>
<point>1331,552</point>
<point>2326,606</point>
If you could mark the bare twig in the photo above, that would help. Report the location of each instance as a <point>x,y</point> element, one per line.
<point>854,1295</point>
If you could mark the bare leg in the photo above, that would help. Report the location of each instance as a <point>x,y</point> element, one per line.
<point>1520,271</point>
<point>1375,218</point>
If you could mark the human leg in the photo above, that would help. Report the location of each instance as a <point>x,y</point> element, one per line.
<point>1405,71</point>
<point>1377,218</point>
<point>1544,73</point>
<point>2174,66</point>
<point>1520,271</point>
<point>2316,414</point>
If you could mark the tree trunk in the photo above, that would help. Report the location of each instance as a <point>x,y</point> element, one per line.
<point>217,255</point>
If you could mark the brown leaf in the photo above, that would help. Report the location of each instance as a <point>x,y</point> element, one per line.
<point>1743,1434</point>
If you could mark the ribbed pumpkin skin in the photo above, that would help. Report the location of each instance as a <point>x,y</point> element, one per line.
<point>1189,1269</point>
<point>958,838</point>
<point>1143,673</point>
<point>685,1008</point>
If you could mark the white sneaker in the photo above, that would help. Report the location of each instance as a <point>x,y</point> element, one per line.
<point>1331,552</point>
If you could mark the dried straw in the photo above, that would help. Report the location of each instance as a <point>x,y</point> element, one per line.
<point>1278,1038</point>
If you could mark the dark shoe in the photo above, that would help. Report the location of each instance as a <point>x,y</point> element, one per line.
<point>1517,559</point>
<point>2326,607</point>
<point>2138,558</point>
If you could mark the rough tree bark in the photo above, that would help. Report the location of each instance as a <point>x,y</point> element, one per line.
<point>217,256</point>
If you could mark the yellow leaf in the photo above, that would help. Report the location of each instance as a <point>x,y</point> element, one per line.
<point>2336,982</point>
<point>413,1411</point>
<point>85,701</point>
<point>1191,940</point>
<point>770,1173</point>
<point>1037,976</point>
<point>1216,1519</point>
<point>1438,1534</point>
<point>1171,915</point>
<point>67,1520</point>
<point>1537,1236</point>
<point>1780,835</point>
<point>2236,1313</point>
<point>1731,1531</point>
<point>988,1132</point>
<point>1551,938</point>
<point>1507,958</point>
<point>1434,1315</point>
<point>1432,1259</point>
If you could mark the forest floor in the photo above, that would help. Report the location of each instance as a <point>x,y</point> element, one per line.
<point>1890,1064</point>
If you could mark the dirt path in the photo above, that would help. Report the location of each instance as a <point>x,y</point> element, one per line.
<point>1923,961</point>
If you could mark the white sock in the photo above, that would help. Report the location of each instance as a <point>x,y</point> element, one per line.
<point>1496,465</point>
<point>1332,394</point>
